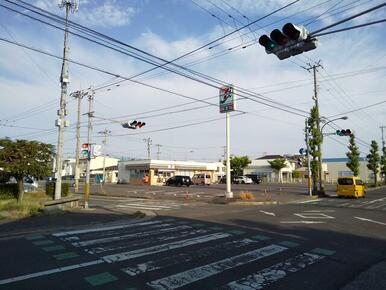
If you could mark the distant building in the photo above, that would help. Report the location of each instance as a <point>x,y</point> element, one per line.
<point>156,172</point>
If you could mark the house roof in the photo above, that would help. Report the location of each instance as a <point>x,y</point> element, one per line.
<point>270,157</point>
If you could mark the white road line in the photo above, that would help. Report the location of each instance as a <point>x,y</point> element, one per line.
<point>180,258</point>
<point>128,236</point>
<point>313,215</point>
<point>274,273</point>
<point>317,211</point>
<point>375,206</point>
<point>268,213</point>
<point>61,234</point>
<point>376,200</point>
<point>49,272</point>
<point>302,222</point>
<point>164,247</point>
<point>369,220</point>
<point>309,201</point>
<point>150,207</point>
<point>184,278</point>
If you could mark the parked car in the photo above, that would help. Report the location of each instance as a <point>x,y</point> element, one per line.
<point>243,179</point>
<point>29,183</point>
<point>350,186</point>
<point>256,179</point>
<point>201,179</point>
<point>179,180</point>
<point>224,179</point>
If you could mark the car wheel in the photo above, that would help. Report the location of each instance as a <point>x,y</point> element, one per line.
<point>243,182</point>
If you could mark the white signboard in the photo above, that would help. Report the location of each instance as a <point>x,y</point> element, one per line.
<point>227,99</point>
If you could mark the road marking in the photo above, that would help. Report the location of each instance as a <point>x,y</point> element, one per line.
<point>128,236</point>
<point>318,211</point>
<point>369,220</point>
<point>268,213</point>
<point>149,207</point>
<point>274,273</point>
<point>101,229</point>
<point>375,206</point>
<point>309,201</point>
<point>302,222</point>
<point>100,279</point>
<point>163,247</point>
<point>49,272</point>
<point>183,257</point>
<point>187,277</point>
<point>313,215</point>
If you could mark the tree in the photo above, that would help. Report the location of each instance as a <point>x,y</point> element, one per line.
<point>383,164</point>
<point>353,156</point>
<point>314,142</point>
<point>278,164</point>
<point>373,160</point>
<point>238,164</point>
<point>23,158</point>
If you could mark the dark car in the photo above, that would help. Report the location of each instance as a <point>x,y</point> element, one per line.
<point>179,180</point>
<point>224,179</point>
<point>256,179</point>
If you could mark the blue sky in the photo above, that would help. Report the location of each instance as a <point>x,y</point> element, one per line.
<point>352,76</point>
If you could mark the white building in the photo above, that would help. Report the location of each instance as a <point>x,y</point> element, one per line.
<point>262,168</point>
<point>158,171</point>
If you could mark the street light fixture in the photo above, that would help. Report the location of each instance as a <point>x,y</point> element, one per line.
<point>320,150</point>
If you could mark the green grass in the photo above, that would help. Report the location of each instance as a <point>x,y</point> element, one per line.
<point>30,206</point>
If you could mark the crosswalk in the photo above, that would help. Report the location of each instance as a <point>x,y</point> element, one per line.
<point>167,253</point>
<point>150,204</point>
<point>375,204</point>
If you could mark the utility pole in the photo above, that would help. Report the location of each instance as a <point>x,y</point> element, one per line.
<point>308,159</point>
<point>89,134</point>
<point>158,150</point>
<point>78,95</point>
<point>61,123</point>
<point>149,142</point>
<point>316,99</point>
<point>105,133</point>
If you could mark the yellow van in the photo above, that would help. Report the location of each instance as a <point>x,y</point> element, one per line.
<point>350,186</point>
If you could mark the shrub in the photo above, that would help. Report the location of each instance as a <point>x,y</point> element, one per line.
<point>8,191</point>
<point>50,189</point>
<point>246,195</point>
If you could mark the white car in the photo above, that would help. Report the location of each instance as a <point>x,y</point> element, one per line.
<point>29,183</point>
<point>243,179</point>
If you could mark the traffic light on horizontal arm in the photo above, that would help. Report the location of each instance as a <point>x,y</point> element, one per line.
<point>133,124</point>
<point>346,132</point>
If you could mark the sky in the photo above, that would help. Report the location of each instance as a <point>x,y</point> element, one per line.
<point>181,110</point>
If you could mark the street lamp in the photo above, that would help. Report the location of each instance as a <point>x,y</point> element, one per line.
<point>320,151</point>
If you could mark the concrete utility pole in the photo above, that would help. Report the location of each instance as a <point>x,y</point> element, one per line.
<point>315,98</point>
<point>149,142</point>
<point>308,160</point>
<point>158,150</point>
<point>78,95</point>
<point>62,112</point>
<point>89,134</point>
<point>105,133</point>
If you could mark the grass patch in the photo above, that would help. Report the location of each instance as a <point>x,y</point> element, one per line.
<point>30,206</point>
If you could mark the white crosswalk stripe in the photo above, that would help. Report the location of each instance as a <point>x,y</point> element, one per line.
<point>156,205</point>
<point>378,204</point>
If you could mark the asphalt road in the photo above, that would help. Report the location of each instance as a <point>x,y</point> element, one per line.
<point>304,244</point>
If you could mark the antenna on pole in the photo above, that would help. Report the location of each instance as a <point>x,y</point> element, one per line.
<point>72,4</point>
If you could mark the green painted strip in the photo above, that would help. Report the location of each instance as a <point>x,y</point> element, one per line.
<point>169,220</point>
<point>53,248</point>
<point>261,238</point>
<point>43,243</point>
<point>236,232</point>
<point>198,225</point>
<point>324,252</point>
<point>67,255</point>
<point>216,228</point>
<point>100,279</point>
<point>35,237</point>
<point>289,244</point>
<point>178,223</point>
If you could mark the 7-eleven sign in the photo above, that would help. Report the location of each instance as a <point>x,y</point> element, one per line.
<point>227,99</point>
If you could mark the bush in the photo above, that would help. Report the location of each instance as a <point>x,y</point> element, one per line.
<point>50,189</point>
<point>8,191</point>
<point>246,195</point>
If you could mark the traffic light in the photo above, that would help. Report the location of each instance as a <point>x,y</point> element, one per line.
<point>292,40</point>
<point>346,132</point>
<point>85,152</point>
<point>133,124</point>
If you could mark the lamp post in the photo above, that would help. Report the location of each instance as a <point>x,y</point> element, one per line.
<point>320,150</point>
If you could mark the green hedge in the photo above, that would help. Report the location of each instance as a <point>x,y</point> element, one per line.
<point>8,191</point>
<point>50,189</point>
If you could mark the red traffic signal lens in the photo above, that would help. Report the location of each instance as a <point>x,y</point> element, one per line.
<point>141,124</point>
<point>291,31</point>
<point>85,145</point>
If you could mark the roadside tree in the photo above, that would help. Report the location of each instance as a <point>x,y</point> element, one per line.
<point>383,164</point>
<point>314,141</point>
<point>373,160</point>
<point>278,165</point>
<point>353,156</point>
<point>22,158</point>
<point>239,163</point>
